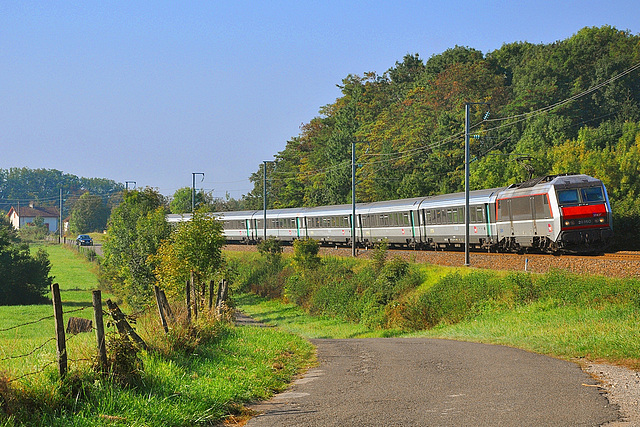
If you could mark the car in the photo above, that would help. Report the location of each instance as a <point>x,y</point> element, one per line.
<point>84,240</point>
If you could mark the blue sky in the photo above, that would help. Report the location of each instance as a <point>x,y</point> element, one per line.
<point>153,91</point>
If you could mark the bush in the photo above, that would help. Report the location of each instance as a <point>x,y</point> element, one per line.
<point>305,254</point>
<point>271,249</point>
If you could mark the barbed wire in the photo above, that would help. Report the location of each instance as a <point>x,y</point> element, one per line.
<point>30,353</point>
<point>32,373</point>
<point>27,323</point>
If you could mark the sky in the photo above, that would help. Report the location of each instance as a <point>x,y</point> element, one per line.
<point>154,91</point>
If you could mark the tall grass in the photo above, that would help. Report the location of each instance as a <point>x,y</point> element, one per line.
<point>559,313</point>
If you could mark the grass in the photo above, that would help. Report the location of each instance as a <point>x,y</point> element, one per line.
<point>242,365</point>
<point>204,386</point>
<point>76,278</point>
<point>559,314</point>
<point>608,333</point>
<point>293,319</point>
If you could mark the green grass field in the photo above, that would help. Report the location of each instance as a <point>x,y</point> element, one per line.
<point>234,367</point>
<point>77,279</point>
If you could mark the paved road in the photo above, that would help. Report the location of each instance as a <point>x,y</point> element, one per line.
<point>429,382</point>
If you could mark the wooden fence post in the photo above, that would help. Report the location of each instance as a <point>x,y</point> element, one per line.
<point>195,297</point>
<point>165,305</point>
<point>225,291</point>
<point>211,287</point>
<point>188,301</point>
<point>123,326</point>
<point>61,345</point>
<point>219,295</point>
<point>97,316</point>
<point>156,289</point>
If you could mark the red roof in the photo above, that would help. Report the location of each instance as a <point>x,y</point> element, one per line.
<point>38,211</point>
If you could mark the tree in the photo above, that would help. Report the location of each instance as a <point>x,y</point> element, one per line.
<point>194,247</point>
<point>181,201</point>
<point>136,228</point>
<point>24,279</point>
<point>89,213</point>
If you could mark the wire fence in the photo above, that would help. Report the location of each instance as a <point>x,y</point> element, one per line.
<point>40,346</point>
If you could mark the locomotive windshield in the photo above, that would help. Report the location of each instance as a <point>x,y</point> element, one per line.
<point>576,196</point>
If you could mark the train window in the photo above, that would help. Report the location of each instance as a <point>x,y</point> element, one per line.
<point>438,216</point>
<point>405,219</point>
<point>592,194</point>
<point>455,218</point>
<point>476,214</point>
<point>449,216</point>
<point>429,217</point>
<point>568,197</point>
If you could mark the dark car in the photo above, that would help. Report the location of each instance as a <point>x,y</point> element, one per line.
<point>84,240</point>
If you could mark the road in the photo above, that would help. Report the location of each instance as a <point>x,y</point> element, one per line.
<point>431,382</point>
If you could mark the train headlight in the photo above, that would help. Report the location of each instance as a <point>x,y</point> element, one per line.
<point>602,220</point>
<point>567,223</point>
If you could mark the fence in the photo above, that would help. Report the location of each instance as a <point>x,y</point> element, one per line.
<point>40,346</point>
<point>61,337</point>
<point>119,320</point>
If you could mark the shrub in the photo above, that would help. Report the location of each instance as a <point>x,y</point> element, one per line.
<point>305,254</point>
<point>271,249</point>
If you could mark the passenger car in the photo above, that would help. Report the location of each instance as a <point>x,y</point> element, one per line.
<point>84,240</point>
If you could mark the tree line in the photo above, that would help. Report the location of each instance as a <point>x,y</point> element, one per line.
<point>572,106</point>
<point>86,201</point>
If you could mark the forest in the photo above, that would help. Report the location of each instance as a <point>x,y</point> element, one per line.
<point>572,106</point>
<point>24,185</point>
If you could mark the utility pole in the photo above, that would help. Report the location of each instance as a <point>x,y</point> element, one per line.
<point>467,259</point>
<point>60,224</point>
<point>353,199</point>
<point>264,196</point>
<point>193,190</point>
<point>467,125</point>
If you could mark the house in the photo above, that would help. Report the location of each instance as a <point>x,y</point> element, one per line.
<point>25,215</point>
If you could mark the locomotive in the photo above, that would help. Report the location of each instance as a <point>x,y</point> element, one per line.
<point>554,214</point>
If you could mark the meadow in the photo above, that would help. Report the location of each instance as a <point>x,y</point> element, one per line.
<point>185,379</point>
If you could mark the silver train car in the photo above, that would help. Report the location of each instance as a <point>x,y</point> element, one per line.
<point>559,213</point>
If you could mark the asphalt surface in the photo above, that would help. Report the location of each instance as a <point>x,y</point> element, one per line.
<point>430,382</point>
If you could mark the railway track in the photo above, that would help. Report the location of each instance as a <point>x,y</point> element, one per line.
<point>626,255</point>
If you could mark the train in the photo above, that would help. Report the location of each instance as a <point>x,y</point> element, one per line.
<point>568,213</point>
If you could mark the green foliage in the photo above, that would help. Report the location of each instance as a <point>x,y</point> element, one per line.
<point>271,249</point>
<point>305,254</point>
<point>43,186</point>
<point>24,279</point>
<point>380,253</point>
<point>136,228</point>
<point>182,200</point>
<point>88,214</point>
<point>195,246</point>
<point>33,232</point>
<point>332,286</point>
